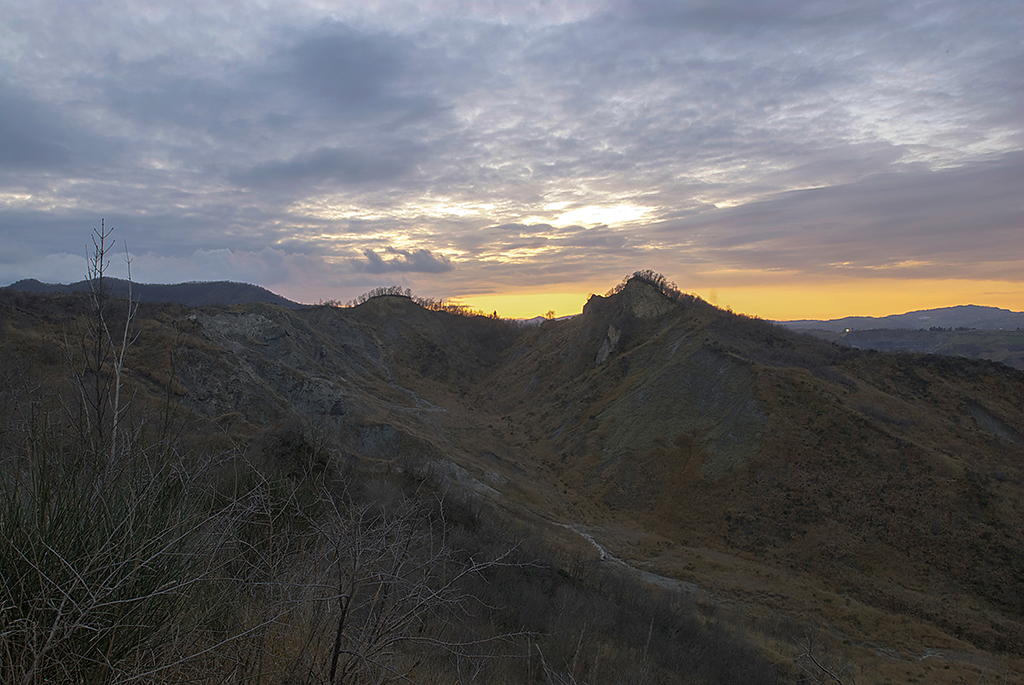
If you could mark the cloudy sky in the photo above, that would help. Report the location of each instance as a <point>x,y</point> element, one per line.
<point>788,158</point>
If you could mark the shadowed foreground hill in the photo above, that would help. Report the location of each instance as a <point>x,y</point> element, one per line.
<point>782,478</point>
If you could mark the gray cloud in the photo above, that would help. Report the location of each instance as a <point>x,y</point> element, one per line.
<point>746,18</point>
<point>38,136</point>
<point>932,224</point>
<point>862,138</point>
<point>421,261</point>
<point>325,166</point>
<point>350,73</point>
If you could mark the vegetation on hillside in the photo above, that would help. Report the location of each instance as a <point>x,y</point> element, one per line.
<point>769,480</point>
<point>141,541</point>
<point>270,561</point>
<point>431,304</point>
<point>660,283</point>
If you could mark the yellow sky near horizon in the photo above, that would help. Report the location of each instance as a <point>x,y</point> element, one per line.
<point>820,299</point>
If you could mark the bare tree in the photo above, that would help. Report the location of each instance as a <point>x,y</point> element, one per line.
<point>99,353</point>
<point>815,663</point>
<point>96,569</point>
<point>363,592</point>
<point>397,584</point>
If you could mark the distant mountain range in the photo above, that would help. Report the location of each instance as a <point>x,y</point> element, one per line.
<point>203,293</point>
<point>193,294</point>
<point>963,316</point>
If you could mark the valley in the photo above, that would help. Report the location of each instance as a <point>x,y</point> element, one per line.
<point>809,495</point>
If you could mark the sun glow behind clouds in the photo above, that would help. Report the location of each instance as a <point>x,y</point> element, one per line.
<point>601,214</point>
<point>12,200</point>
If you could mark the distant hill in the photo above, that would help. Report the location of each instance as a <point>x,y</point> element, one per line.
<point>192,294</point>
<point>963,316</point>
<point>1006,346</point>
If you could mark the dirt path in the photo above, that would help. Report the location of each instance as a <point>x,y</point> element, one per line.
<point>644,576</point>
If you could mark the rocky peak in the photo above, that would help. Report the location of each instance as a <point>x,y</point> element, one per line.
<point>637,297</point>
<point>644,299</point>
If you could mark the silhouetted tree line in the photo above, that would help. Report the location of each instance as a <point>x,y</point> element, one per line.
<point>425,302</point>
<point>659,281</point>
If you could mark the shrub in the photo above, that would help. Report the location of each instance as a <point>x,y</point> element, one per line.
<point>97,564</point>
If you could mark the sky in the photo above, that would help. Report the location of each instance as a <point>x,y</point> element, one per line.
<point>787,158</point>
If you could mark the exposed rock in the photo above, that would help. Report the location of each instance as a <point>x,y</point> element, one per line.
<point>608,345</point>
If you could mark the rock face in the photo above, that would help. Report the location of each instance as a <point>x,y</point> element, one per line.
<point>608,346</point>
<point>643,300</point>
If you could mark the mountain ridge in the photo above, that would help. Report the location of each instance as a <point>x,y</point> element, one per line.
<point>959,316</point>
<point>201,293</point>
<point>193,293</point>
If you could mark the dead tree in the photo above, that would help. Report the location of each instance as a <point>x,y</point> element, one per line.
<point>98,352</point>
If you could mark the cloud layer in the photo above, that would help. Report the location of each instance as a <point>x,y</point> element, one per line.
<point>499,146</point>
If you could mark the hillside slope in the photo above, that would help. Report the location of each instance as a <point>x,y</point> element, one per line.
<point>789,479</point>
<point>880,492</point>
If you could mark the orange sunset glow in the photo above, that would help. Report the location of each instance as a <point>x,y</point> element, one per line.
<point>785,302</point>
